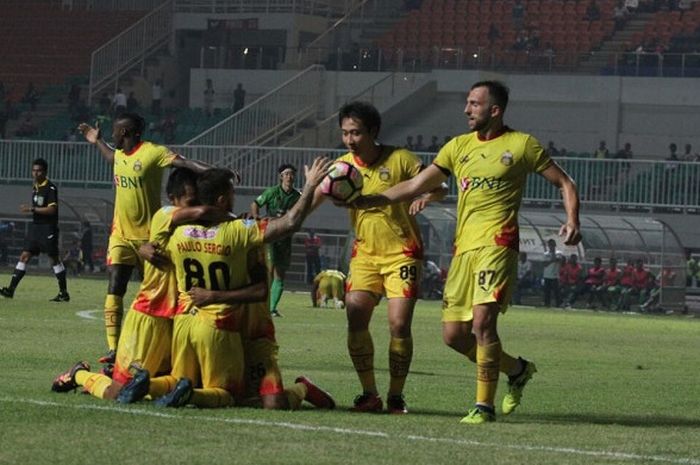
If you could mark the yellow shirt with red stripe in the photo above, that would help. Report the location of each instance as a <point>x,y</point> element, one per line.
<point>138,179</point>
<point>157,295</point>
<point>214,257</point>
<point>388,230</point>
<point>490,177</point>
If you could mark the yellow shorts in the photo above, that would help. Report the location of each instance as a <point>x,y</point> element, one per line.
<point>144,339</point>
<point>208,356</point>
<point>124,252</point>
<point>330,287</point>
<point>262,373</point>
<point>394,277</point>
<point>479,276</point>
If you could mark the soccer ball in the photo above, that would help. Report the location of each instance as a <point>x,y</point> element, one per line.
<point>343,182</point>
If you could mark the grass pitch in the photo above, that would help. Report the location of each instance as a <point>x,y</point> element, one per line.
<point>610,389</point>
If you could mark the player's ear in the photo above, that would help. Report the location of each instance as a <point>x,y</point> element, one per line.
<point>496,111</point>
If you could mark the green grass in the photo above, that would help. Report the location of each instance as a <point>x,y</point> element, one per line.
<point>610,389</point>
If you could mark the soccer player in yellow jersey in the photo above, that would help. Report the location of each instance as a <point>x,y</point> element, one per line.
<point>138,170</point>
<point>490,165</point>
<point>147,333</point>
<point>386,258</point>
<point>329,285</point>
<point>207,345</point>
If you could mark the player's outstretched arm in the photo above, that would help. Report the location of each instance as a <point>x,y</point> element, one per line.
<point>151,252</point>
<point>94,136</point>
<point>291,221</point>
<point>428,180</point>
<point>433,196</point>
<point>571,230</point>
<point>200,213</point>
<point>195,165</point>
<point>256,292</point>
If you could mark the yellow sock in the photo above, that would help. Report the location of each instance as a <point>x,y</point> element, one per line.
<point>94,383</point>
<point>506,365</point>
<point>161,385</point>
<point>295,394</point>
<point>487,365</point>
<point>400,356</point>
<point>211,398</point>
<point>361,351</point>
<point>114,310</point>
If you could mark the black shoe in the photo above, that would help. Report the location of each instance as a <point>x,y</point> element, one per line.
<point>136,389</point>
<point>178,397</point>
<point>7,292</point>
<point>61,297</point>
<point>109,358</point>
<point>276,313</point>
<point>396,405</point>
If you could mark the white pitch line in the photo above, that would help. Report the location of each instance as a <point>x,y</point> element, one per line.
<point>89,314</point>
<point>378,434</point>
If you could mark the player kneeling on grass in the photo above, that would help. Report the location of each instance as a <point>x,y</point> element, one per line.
<point>147,330</point>
<point>328,285</point>
<point>217,325</point>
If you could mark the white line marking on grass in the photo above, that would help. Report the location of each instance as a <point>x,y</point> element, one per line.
<point>379,434</point>
<point>90,314</point>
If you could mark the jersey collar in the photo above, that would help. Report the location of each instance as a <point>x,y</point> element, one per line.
<point>503,130</point>
<point>134,150</point>
<point>42,184</point>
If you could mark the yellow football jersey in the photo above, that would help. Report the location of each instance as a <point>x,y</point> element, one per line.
<point>490,177</point>
<point>216,258</point>
<point>388,230</point>
<point>157,295</point>
<point>138,178</point>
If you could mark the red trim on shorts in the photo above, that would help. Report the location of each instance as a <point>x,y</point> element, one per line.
<point>229,322</point>
<point>413,249</point>
<point>121,375</point>
<point>508,236</point>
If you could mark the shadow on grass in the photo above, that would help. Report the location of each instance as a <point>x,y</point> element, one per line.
<point>623,420</point>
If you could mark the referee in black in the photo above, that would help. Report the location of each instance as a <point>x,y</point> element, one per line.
<point>43,232</point>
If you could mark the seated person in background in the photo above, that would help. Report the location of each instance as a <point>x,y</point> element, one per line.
<point>652,304</point>
<point>328,285</point>
<point>432,283</point>
<point>73,258</point>
<point>642,282</point>
<point>526,278</point>
<point>611,283</point>
<point>572,282</point>
<point>593,284</point>
<point>27,128</point>
<point>625,284</point>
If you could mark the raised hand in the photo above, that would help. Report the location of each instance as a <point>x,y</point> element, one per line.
<point>318,170</point>
<point>91,134</point>
<point>571,233</point>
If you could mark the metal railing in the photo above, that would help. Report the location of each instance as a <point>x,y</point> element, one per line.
<point>302,7</point>
<point>272,116</point>
<point>131,47</point>
<point>614,184</point>
<point>109,5</point>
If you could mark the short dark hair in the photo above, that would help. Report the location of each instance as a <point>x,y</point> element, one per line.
<point>178,179</point>
<point>213,183</point>
<point>41,162</point>
<point>498,92</point>
<point>136,125</point>
<point>286,166</point>
<point>363,111</point>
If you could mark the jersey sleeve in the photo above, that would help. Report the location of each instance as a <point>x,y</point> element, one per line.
<point>536,156</point>
<point>165,156</point>
<point>263,198</point>
<point>161,225</point>
<point>412,164</point>
<point>51,196</point>
<point>251,232</point>
<point>443,159</point>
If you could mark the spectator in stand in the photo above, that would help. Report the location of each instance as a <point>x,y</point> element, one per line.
<point>620,15</point>
<point>156,97</point>
<point>118,103</point>
<point>132,105</point>
<point>642,282</point>
<point>692,270</point>
<point>209,97</point>
<point>409,143</point>
<point>592,11</point>
<point>688,154</point>
<point>572,280</point>
<point>434,144</point>
<point>526,278</point>
<point>419,147</point>
<point>625,152</point>
<point>73,97</point>
<point>611,283</point>
<point>86,246</point>
<point>552,150</point>
<point>31,96</point>
<point>594,284</point>
<point>602,151</point>
<point>312,250</point>
<point>550,274</point>
<point>238,98</point>
<point>27,128</point>
<point>518,14</point>
<point>104,103</point>
<point>168,127</point>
